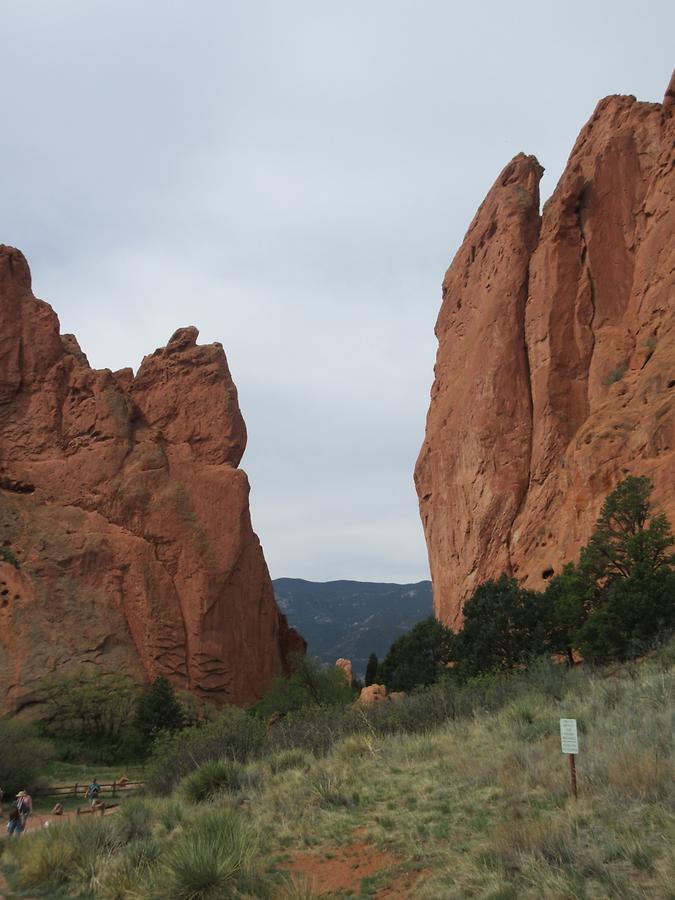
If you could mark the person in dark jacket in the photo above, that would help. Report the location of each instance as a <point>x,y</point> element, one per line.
<point>15,825</point>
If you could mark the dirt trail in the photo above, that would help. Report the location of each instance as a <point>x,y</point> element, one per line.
<point>36,821</point>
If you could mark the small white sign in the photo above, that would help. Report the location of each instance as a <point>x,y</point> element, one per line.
<point>568,736</point>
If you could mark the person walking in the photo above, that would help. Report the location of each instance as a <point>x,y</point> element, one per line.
<point>93,791</point>
<point>14,825</point>
<point>24,803</point>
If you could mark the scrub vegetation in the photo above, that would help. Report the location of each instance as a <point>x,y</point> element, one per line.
<point>457,789</point>
<point>463,787</point>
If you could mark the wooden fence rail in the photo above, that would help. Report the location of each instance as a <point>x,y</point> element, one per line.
<point>74,790</point>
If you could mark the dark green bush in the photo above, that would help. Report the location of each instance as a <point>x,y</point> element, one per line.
<point>418,657</point>
<point>314,729</point>
<point>213,777</point>
<point>311,684</point>
<point>233,734</point>
<point>8,557</point>
<point>23,756</point>
<point>89,715</point>
<point>504,627</point>
<point>157,709</point>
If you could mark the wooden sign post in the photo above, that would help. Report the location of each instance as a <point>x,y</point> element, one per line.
<point>569,743</point>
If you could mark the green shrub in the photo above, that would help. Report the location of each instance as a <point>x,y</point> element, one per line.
<point>233,734</point>
<point>616,374</point>
<point>45,862</point>
<point>530,718</point>
<point>8,557</point>
<point>418,657</point>
<point>171,814</point>
<point>311,684</point>
<point>330,787</point>
<point>504,627</point>
<point>213,777</point>
<point>89,713</point>
<point>211,860</point>
<point>314,729</point>
<point>127,873</point>
<point>284,760</point>
<point>23,756</point>
<point>157,709</point>
<point>65,854</point>
<point>133,820</point>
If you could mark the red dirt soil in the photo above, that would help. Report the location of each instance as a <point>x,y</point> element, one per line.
<point>342,869</point>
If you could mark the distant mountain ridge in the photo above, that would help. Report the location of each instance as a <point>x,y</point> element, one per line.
<point>351,619</point>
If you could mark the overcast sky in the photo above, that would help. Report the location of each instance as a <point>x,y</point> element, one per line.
<point>294,179</point>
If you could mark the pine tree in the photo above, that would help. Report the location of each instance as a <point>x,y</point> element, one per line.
<point>158,709</point>
<point>621,596</point>
<point>623,545</point>
<point>504,626</point>
<point>371,669</point>
<point>418,657</point>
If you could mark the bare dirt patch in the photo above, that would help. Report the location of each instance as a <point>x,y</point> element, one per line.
<point>342,869</point>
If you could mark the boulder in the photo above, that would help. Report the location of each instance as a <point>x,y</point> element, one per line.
<point>374,693</point>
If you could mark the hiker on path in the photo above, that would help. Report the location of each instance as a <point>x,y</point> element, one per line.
<point>93,791</point>
<point>24,804</point>
<point>15,825</point>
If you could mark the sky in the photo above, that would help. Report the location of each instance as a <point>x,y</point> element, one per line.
<point>294,178</point>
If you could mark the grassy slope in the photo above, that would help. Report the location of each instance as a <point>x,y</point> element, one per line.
<point>484,804</point>
<point>480,805</point>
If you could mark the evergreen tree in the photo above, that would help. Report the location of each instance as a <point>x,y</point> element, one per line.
<point>623,545</point>
<point>628,615</point>
<point>418,657</point>
<point>371,669</point>
<point>504,626</point>
<point>568,598</point>
<point>622,593</point>
<point>158,709</point>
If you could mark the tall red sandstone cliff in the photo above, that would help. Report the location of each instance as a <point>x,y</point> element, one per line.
<point>555,369</point>
<point>121,500</point>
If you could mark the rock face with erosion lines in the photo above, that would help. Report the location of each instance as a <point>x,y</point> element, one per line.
<point>555,375</point>
<point>123,508</point>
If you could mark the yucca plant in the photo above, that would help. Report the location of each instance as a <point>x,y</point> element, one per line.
<point>212,778</point>
<point>211,860</point>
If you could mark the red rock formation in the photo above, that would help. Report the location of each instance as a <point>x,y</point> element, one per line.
<point>345,666</point>
<point>374,693</point>
<point>554,374</point>
<point>121,499</point>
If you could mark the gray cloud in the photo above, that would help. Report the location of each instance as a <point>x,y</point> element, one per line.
<point>294,179</point>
